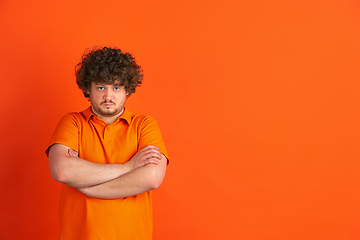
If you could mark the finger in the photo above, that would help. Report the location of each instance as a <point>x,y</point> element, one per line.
<point>152,146</point>
<point>69,152</point>
<point>152,150</point>
<point>153,161</point>
<point>149,151</point>
<point>148,147</point>
<point>153,154</point>
<point>72,153</point>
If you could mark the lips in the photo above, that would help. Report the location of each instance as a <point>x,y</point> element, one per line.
<point>107,105</point>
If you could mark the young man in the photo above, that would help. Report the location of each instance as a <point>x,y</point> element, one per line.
<point>108,158</point>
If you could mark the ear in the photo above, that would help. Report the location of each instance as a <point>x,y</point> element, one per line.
<point>86,93</point>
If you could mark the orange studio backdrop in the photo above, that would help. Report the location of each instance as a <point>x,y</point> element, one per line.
<point>258,102</point>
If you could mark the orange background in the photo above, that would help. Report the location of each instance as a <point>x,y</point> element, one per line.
<point>258,102</point>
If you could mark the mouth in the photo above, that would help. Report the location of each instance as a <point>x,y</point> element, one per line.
<point>107,105</point>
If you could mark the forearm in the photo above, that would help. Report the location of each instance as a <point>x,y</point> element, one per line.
<point>140,180</point>
<point>79,173</point>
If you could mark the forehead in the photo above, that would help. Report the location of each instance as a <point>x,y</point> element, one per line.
<point>114,83</point>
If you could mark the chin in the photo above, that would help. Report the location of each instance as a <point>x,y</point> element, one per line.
<point>110,112</point>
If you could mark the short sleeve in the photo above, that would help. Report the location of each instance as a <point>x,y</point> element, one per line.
<point>66,133</point>
<point>150,135</point>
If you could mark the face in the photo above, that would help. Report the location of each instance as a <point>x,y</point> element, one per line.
<point>107,101</point>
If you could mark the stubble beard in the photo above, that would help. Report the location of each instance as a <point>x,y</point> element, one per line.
<point>107,112</point>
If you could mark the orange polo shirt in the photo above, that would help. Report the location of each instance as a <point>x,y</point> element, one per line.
<point>87,218</point>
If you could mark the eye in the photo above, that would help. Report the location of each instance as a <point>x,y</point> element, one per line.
<point>101,88</point>
<point>116,88</point>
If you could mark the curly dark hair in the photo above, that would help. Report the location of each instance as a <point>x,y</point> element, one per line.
<point>108,66</point>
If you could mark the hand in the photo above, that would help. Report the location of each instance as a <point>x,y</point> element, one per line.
<point>147,155</point>
<point>72,153</point>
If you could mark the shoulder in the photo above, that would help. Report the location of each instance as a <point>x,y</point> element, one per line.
<point>72,116</point>
<point>80,116</point>
<point>142,120</point>
<point>139,121</point>
<point>73,119</point>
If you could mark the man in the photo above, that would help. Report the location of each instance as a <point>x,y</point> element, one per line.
<point>108,158</point>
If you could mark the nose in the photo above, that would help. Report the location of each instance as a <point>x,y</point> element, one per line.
<point>108,94</point>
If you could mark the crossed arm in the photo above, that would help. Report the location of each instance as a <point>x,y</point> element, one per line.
<point>145,171</point>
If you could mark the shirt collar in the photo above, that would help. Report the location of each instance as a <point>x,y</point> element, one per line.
<point>126,115</point>
<point>88,113</point>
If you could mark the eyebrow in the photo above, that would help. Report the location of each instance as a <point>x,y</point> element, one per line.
<point>104,84</point>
